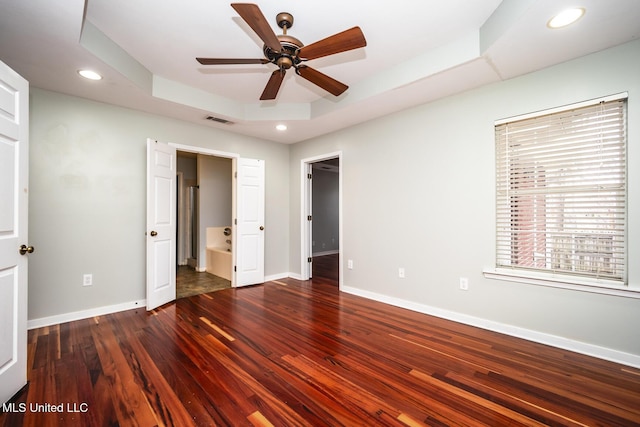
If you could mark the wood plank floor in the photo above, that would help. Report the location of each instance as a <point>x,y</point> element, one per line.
<point>291,353</point>
<point>326,266</point>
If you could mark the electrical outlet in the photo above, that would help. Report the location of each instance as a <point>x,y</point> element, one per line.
<point>87,280</point>
<point>464,283</point>
<point>350,264</point>
<point>401,273</point>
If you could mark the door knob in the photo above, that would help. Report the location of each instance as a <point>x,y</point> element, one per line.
<point>154,233</point>
<point>261,227</point>
<point>24,249</point>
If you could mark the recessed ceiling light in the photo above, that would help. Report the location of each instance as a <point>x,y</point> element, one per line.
<point>566,17</point>
<point>281,127</point>
<point>89,74</point>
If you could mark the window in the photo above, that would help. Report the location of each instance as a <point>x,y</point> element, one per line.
<point>561,192</point>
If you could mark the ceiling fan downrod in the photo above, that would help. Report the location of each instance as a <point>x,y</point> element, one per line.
<point>287,56</point>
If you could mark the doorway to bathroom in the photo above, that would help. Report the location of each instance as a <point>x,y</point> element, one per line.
<point>321,228</point>
<point>204,210</point>
<point>247,209</point>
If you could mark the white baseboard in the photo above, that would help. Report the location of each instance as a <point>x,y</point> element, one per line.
<point>527,334</point>
<point>296,276</point>
<point>84,314</point>
<point>101,311</point>
<point>277,277</point>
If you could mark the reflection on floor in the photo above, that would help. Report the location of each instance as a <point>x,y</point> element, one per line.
<point>326,266</point>
<point>190,282</point>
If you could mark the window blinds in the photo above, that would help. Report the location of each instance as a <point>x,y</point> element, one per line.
<point>561,192</point>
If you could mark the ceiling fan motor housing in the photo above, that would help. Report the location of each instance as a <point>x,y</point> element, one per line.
<point>287,57</point>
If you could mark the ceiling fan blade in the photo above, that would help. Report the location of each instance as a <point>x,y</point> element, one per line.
<point>253,16</point>
<point>273,85</point>
<point>352,38</point>
<point>231,61</point>
<point>327,83</point>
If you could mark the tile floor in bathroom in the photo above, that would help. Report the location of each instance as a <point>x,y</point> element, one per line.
<point>190,282</point>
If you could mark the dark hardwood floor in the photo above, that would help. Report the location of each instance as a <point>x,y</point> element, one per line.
<point>326,266</point>
<point>291,353</point>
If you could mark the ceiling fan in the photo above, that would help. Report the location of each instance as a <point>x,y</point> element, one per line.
<point>286,51</point>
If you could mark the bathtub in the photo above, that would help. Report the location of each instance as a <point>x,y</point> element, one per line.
<point>219,261</point>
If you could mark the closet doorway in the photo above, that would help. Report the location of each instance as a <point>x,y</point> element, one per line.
<point>322,219</point>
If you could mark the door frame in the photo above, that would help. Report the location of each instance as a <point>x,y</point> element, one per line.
<point>234,190</point>
<point>306,197</point>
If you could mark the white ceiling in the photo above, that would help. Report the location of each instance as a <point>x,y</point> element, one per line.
<point>417,51</point>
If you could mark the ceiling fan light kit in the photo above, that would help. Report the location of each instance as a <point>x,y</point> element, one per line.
<point>287,52</point>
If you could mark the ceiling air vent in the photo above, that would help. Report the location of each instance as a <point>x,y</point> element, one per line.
<point>219,120</point>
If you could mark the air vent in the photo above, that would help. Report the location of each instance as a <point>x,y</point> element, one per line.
<point>219,120</point>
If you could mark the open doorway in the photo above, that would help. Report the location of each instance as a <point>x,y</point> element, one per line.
<point>247,211</point>
<point>322,230</point>
<point>204,223</point>
<point>325,224</point>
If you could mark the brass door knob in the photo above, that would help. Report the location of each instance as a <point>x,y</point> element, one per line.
<point>24,249</point>
<point>154,233</point>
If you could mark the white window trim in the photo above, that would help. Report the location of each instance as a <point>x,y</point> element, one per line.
<point>606,287</point>
<point>563,281</point>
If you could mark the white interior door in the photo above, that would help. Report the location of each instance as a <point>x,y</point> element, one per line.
<point>250,226</point>
<point>161,223</point>
<point>14,174</point>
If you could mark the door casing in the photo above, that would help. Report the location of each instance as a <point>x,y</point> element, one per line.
<point>234,194</point>
<point>234,162</point>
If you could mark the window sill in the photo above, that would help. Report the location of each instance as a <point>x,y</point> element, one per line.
<point>554,281</point>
